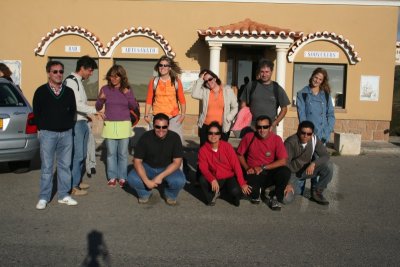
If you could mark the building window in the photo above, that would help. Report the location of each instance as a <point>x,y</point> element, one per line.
<point>337,80</point>
<point>91,85</point>
<point>139,71</point>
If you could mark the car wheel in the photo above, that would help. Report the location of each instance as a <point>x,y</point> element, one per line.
<point>19,166</point>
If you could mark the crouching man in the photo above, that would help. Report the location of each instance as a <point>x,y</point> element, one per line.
<point>307,158</point>
<point>158,156</point>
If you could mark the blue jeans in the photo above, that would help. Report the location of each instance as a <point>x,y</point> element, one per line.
<point>174,182</point>
<point>323,171</point>
<point>58,144</point>
<point>117,158</point>
<point>81,137</point>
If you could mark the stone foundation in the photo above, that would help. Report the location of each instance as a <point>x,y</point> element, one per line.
<point>369,130</point>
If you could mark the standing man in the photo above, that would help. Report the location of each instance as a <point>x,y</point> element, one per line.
<point>158,156</point>
<point>264,96</point>
<point>308,158</point>
<point>84,69</point>
<point>54,109</point>
<point>263,157</point>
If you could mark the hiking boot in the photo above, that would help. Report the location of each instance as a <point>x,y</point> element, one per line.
<point>143,200</point>
<point>319,198</point>
<point>84,186</point>
<point>41,205</point>
<point>76,191</point>
<point>171,202</point>
<point>274,204</point>
<point>214,199</point>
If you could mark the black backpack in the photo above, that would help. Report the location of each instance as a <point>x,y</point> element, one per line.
<point>135,114</point>
<point>275,88</point>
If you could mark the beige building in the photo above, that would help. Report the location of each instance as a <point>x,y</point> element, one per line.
<point>354,40</point>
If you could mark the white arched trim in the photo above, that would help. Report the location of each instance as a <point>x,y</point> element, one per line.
<point>68,30</point>
<point>139,31</point>
<point>103,52</point>
<point>339,40</point>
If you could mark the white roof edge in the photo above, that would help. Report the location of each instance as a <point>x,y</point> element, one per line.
<point>307,2</point>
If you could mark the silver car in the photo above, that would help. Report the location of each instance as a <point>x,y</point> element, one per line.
<point>19,142</point>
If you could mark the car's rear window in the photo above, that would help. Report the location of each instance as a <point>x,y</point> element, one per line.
<point>10,97</point>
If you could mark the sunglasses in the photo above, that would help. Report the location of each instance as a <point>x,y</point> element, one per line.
<point>161,127</point>
<point>214,133</point>
<point>209,79</point>
<point>163,65</point>
<point>57,71</point>
<point>304,133</point>
<point>258,127</point>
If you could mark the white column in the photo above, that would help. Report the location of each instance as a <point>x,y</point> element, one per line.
<point>281,77</point>
<point>215,55</point>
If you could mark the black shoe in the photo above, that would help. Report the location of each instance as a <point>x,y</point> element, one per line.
<point>236,201</point>
<point>255,201</point>
<point>317,196</point>
<point>92,170</point>
<point>214,199</point>
<point>274,204</point>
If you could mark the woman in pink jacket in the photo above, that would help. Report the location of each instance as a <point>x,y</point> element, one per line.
<point>220,168</point>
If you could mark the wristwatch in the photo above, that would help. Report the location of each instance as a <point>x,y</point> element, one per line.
<point>264,167</point>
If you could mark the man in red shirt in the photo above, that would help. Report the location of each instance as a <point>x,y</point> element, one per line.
<point>263,156</point>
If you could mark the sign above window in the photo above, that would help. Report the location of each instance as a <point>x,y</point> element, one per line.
<point>73,48</point>
<point>321,54</point>
<point>139,50</point>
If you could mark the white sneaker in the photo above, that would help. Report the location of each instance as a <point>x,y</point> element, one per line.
<point>68,200</point>
<point>41,205</point>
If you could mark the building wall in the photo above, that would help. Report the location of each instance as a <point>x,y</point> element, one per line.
<point>371,29</point>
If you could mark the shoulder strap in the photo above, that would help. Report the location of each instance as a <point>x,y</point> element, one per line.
<point>327,99</point>
<point>253,88</point>
<point>304,97</point>
<point>155,83</point>
<point>276,93</point>
<point>314,143</point>
<point>72,77</point>
<point>248,147</point>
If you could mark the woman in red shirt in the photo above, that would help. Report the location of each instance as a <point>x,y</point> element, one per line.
<point>220,168</point>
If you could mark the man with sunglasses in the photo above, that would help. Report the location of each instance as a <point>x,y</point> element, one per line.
<point>54,108</point>
<point>157,159</point>
<point>308,158</point>
<point>263,157</point>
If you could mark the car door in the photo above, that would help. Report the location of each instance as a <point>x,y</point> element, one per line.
<point>14,111</point>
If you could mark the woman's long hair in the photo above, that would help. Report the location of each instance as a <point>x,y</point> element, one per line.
<point>174,71</point>
<point>120,72</point>
<point>325,83</point>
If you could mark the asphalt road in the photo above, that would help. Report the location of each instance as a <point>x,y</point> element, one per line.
<point>109,227</point>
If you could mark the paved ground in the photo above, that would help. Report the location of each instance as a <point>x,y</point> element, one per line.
<point>109,227</point>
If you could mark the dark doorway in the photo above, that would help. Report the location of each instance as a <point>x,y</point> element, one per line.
<point>242,62</point>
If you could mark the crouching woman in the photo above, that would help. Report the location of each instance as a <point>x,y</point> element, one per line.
<point>220,168</point>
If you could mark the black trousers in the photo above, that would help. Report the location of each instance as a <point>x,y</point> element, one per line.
<point>229,185</point>
<point>278,177</point>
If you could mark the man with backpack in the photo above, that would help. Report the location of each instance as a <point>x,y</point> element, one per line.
<point>84,69</point>
<point>264,96</point>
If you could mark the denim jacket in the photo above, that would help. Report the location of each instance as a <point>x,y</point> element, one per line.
<point>318,111</point>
